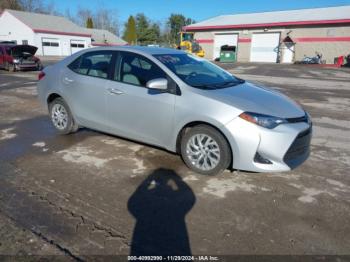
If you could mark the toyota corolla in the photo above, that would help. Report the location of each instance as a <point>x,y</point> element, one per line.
<point>179,102</point>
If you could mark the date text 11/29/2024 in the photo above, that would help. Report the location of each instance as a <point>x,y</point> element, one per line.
<point>173,258</point>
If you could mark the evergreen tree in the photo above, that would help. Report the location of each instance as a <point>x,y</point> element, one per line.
<point>142,25</point>
<point>130,31</point>
<point>89,23</point>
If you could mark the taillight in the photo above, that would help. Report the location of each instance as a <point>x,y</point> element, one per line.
<point>41,75</point>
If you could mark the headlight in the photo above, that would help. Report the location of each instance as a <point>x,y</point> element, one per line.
<point>16,61</point>
<point>308,118</point>
<point>269,122</point>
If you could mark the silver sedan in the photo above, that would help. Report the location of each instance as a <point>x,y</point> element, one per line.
<point>177,101</point>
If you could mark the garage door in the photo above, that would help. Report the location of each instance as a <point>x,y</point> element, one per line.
<point>51,46</point>
<point>76,45</point>
<point>223,39</point>
<point>264,47</point>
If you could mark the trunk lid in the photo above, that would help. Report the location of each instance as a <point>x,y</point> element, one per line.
<point>23,50</point>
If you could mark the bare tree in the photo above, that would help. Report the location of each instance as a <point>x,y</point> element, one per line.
<point>102,18</point>
<point>32,5</point>
<point>10,4</point>
<point>107,19</point>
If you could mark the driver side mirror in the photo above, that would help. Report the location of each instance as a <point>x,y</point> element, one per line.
<point>158,83</point>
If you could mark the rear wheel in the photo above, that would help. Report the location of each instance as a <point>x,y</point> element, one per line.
<point>61,117</point>
<point>11,68</point>
<point>205,150</point>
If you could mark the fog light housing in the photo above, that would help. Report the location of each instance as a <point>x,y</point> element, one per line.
<point>261,160</point>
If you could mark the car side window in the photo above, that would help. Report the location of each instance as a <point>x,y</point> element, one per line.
<point>96,64</point>
<point>137,70</point>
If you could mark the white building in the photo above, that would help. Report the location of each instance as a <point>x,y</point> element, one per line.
<point>53,35</point>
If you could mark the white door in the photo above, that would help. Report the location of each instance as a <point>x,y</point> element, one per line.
<point>264,47</point>
<point>51,46</point>
<point>76,45</point>
<point>288,53</point>
<point>223,39</point>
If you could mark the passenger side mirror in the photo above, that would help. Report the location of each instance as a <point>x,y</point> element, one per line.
<point>158,83</point>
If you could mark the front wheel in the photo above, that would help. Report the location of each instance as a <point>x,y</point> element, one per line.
<point>10,67</point>
<point>61,117</point>
<point>205,150</point>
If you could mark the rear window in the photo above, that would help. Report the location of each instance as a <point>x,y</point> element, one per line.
<point>96,64</point>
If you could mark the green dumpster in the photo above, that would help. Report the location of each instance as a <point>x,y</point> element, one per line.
<point>228,54</point>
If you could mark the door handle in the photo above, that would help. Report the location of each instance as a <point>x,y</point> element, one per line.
<point>68,80</point>
<point>115,91</point>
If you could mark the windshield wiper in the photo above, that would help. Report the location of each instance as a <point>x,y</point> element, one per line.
<point>221,85</point>
<point>231,83</point>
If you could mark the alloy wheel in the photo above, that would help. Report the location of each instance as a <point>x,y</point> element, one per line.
<point>203,152</point>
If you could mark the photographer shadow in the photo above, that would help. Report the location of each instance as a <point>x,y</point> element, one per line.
<point>159,206</point>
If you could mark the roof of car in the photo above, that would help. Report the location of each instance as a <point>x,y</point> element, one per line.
<point>143,49</point>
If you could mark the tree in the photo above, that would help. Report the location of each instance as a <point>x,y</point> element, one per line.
<point>10,4</point>
<point>153,33</point>
<point>89,23</point>
<point>175,23</point>
<point>130,31</point>
<point>142,25</point>
<point>35,6</point>
<point>106,19</point>
<point>147,32</point>
<point>102,19</point>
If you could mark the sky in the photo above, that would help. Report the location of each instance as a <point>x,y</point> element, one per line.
<point>159,10</point>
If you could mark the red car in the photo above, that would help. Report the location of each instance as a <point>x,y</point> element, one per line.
<point>19,57</point>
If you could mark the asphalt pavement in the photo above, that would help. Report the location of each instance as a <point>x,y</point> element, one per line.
<point>91,194</point>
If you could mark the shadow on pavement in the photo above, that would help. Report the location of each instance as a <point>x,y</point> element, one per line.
<point>160,205</point>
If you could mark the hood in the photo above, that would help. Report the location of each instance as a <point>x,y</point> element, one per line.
<point>20,49</point>
<point>251,98</point>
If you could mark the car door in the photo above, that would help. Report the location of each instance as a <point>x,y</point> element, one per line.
<point>135,111</point>
<point>84,83</point>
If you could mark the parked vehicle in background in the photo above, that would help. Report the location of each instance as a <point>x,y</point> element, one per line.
<point>19,57</point>
<point>189,44</point>
<point>180,102</point>
<point>317,59</point>
<point>347,61</point>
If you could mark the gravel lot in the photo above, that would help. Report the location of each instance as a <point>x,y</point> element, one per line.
<point>91,193</point>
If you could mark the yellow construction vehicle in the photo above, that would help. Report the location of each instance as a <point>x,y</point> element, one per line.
<point>189,44</point>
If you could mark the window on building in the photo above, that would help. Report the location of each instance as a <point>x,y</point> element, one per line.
<point>77,45</point>
<point>24,42</point>
<point>50,44</point>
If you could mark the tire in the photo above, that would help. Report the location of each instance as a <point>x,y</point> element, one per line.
<point>11,67</point>
<point>214,158</point>
<point>61,117</point>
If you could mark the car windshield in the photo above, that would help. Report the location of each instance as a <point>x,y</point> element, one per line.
<point>198,72</point>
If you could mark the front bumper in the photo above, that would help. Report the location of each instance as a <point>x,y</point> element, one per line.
<point>285,147</point>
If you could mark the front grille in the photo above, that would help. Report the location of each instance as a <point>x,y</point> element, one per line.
<point>297,119</point>
<point>300,147</point>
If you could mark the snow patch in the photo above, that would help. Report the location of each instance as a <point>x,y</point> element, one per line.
<point>191,178</point>
<point>83,155</point>
<point>7,134</point>
<point>220,187</point>
<point>39,144</point>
